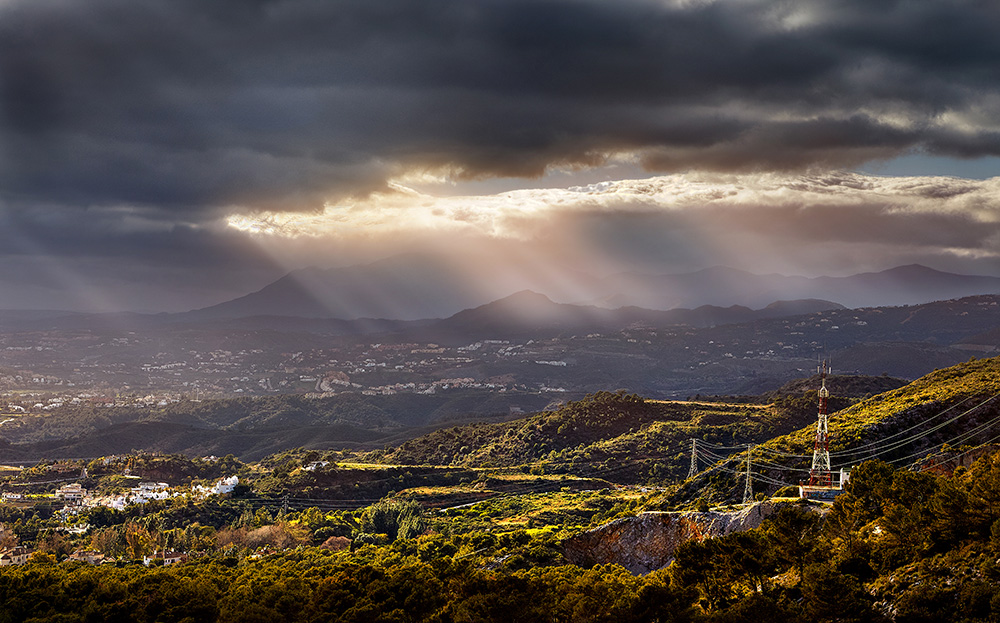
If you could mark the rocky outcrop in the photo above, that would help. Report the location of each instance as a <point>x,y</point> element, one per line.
<point>647,542</point>
<point>945,463</point>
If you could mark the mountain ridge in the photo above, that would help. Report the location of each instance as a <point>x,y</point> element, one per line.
<point>529,313</point>
<point>415,287</point>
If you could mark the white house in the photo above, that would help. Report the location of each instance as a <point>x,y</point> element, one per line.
<point>168,558</point>
<point>88,556</point>
<point>71,493</point>
<point>14,556</point>
<point>147,491</point>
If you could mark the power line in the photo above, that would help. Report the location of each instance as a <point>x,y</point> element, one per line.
<point>880,448</point>
<point>903,432</point>
<point>896,445</point>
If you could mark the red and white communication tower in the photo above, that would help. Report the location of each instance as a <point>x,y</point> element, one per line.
<point>819,473</point>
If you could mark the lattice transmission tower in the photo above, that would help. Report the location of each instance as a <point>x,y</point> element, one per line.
<point>819,473</point>
<point>748,488</point>
<point>693,470</point>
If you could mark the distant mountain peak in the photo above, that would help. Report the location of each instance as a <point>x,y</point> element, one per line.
<point>525,297</point>
<point>522,304</point>
<point>914,269</point>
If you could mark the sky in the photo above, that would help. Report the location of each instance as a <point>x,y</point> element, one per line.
<point>164,155</point>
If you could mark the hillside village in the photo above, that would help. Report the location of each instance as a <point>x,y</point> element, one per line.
<point>73,497</point>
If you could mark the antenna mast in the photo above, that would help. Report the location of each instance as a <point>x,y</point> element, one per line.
<point>819,473</point>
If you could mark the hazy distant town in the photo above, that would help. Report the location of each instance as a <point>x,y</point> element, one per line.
<point>44,370</point>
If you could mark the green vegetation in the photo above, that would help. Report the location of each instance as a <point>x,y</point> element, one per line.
<point>915,424</point>
<point>469,523</point>
<point>902,545</point>
<point>897,545</point>
<point>616,436</point>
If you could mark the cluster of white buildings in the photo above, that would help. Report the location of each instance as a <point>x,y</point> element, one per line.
<point>144,492</point>
<point>75,494</point>
<point>225,485</point>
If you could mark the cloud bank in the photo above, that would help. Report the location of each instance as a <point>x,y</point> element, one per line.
<point>197,107</point>
<point>836,220</point>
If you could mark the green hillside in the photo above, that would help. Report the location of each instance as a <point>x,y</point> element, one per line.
<point>947,418</point>
<point>627,439</point>
<point>617,436</point>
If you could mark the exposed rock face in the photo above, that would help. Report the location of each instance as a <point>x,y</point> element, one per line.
<point>647,542</point>
<point>945,463</point>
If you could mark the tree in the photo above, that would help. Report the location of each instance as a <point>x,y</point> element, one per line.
<point>109,541</point>
<point>844,522</point>
<point>724,569</point>
<point>870,486</point>
<point>795,533</point>
<point>832,596</point>
<point>55,543</point>
<point>953,515</point>
<point>312,517</point>
<point>395,518</point>
<point>982,481</point>
<point>8,539</point>
<point>262,518</point>
<point>102,516</point>
<point>279,536</point>
<point>138,541</point>
<point>907,516</point>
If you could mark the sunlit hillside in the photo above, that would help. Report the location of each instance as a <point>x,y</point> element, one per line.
<point>945,419</point>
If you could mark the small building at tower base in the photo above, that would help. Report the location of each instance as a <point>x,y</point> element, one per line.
<point>827,492</point>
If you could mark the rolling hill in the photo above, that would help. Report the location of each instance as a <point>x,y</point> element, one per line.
<point>948,417</point>
<point>616,436</point>
<point>252,427</point>
<point>902,285</point>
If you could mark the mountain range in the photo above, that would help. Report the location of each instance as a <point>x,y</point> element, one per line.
<point>531,314</point>
<point>412,287</point>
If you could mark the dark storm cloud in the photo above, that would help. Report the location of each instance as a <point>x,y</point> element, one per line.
<point>192,107</point>
<point>136,236</point>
